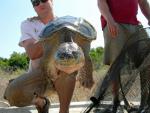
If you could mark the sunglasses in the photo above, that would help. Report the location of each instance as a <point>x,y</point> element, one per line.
<point>37,2</point>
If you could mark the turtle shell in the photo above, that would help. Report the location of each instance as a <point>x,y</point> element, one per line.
<point>77,25</point>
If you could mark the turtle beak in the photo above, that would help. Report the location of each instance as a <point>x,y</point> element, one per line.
<point>69,57</point>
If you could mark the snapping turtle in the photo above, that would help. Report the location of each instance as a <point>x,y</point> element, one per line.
<point>66,45</point>
<point>66,42</point>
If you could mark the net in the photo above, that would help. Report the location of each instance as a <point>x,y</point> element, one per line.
<point>131,69</point>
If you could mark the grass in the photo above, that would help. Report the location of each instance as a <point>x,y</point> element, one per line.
<point>10,75</point>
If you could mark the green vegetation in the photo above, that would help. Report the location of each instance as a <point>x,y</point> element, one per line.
<point>97,56</point>
<point>19,61</point>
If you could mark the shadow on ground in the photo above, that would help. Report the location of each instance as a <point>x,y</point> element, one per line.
<point>17,110</point>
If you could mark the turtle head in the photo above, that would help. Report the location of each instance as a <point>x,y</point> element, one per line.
<point>69,57</point>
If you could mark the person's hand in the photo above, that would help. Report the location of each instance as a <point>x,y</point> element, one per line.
<point>113,28</point>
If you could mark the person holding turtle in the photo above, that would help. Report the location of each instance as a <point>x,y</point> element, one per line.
<point>30,88</point>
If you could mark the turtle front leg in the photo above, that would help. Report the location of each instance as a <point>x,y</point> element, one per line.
<point>85,74</point>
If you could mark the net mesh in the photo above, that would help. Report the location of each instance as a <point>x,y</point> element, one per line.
<point>131,69</point>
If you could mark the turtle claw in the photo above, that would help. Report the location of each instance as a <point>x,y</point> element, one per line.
<point>88,83</point>
<point>85,81</point>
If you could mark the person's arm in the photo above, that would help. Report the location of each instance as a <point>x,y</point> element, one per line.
<point>145,8</point>
<point>33,48</point>
<point>28,40</point>
<point>105,12</point>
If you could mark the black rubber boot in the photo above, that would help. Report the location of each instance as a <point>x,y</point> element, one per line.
<point>116,103</point>
<point>113,108</point>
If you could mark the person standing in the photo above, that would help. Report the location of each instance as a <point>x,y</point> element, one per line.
<point>119,21</point>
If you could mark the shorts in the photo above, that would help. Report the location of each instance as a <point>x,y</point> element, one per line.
<point>20,91</point>
<point>113,46</point>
